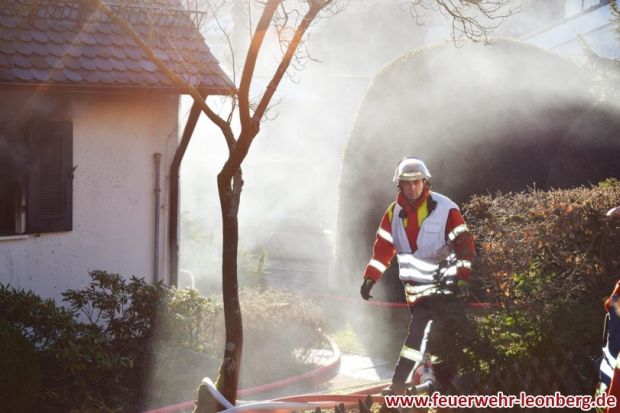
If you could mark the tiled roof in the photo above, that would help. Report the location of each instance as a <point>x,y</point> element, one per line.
<point>64,43</point>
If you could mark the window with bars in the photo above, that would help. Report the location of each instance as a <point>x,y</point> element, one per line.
<point>36,178</point>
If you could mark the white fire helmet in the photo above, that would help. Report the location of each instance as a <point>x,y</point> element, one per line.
<point>410,169</point>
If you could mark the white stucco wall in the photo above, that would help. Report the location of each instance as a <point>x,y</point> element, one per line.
<point>115,137</point>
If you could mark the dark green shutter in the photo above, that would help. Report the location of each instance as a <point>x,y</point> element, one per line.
<point>50,181</point>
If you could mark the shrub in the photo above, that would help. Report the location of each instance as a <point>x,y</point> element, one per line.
<point>120,345</point>
<point>548,259</point>
<point>20,381</point>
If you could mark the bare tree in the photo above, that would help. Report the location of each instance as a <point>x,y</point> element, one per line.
<point>290,21</point>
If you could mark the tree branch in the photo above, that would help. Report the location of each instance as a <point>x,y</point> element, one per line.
<point>315,8</point>
<point>250,60</point>
<point>251,126</point>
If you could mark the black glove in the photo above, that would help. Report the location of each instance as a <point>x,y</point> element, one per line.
<point>366,287</point>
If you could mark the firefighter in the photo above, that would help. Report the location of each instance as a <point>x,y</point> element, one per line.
<point>610,380</point>
<point>423,228</point>
<point>609,376</point>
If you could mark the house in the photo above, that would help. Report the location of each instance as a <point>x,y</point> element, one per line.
<point>88,130</point>
<point>585,22</point>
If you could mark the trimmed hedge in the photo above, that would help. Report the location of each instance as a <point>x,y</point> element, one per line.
<point>548,259</point>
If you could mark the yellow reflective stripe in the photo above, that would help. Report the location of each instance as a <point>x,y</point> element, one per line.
<point>411,297</point>
<point>405,221</point>
<point>464,264</point>
<point>411,354</point>
<point>422,212</point>
<point>374,263</point>
<point>418,289</point>
<point>457,231</point>
<point>618,363</point>
<point>390,211</point>
<point>385,235</point>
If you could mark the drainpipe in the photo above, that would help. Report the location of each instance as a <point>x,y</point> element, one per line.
<point>173,217</point>
<point>157,157</point>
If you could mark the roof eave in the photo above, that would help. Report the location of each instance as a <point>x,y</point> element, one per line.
<point>87,88</point>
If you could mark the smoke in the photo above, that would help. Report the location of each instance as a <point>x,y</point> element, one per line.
<point>485,118</point>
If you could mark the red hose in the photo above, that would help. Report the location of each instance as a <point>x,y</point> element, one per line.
<point>312,375</point>
<point>389,304</point>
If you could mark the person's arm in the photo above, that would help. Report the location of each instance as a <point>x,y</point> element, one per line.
<point>614,212</point>
<point>383,249</point>
<point>458,235</point>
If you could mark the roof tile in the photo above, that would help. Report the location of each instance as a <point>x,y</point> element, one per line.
<point>103,64</point>
<point>6,74</point>
<point>118,65</point>
<point>117,52</point>
<point>102,39</point>
<point>7,22</point>
<point>73,75</point>
<point>133,65</point>
<point>42,25</point>
<point>58,76</point>
<point>24,35</point>
<point>55,36</point>
<point>74,51</point>
<point>56,50</point>
<point>121,77</point>
<point>103,51</point>
<point>6,47</point>
<point>40,49</point>
<point>5,62</point>
<point>72,63</point>
<point>88,39</point>
<point>91,77</point>
<point>148,65</point>
<point>40,36</point>
<point>133,52</point>
<point>105,77</point>
<point>39,62</point>
<point>55,62</point>
<point>88,64</point>
<point>21,61</point>
<point>117,39</point>
<point>134,77</point>
<point>40,75</point>
<point>88,51</point>
<point>7,35</point>
<point>23,74</point>
<point>24,48</point>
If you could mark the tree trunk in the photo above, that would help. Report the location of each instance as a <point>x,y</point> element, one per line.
<point>228,377</point>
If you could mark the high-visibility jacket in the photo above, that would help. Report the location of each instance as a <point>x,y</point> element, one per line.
<point>610,368</point>
<point>427,230</point>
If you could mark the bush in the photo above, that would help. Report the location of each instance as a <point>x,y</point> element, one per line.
<point>20,382</point>
<point>548,259</point>
<point>121,345</point>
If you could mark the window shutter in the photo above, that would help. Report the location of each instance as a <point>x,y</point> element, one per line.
<point>50,181</point>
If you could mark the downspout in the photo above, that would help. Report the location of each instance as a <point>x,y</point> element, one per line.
<point>173,217</point>
<point>157,215</point>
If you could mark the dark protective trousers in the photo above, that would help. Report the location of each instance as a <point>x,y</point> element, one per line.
<point>431,308</point>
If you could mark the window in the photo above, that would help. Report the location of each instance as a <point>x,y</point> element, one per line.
<point>573,7</point>
<point>36,178</point>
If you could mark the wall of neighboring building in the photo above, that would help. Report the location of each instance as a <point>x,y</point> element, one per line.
<point>115,137</point>
<point>593,26</point>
